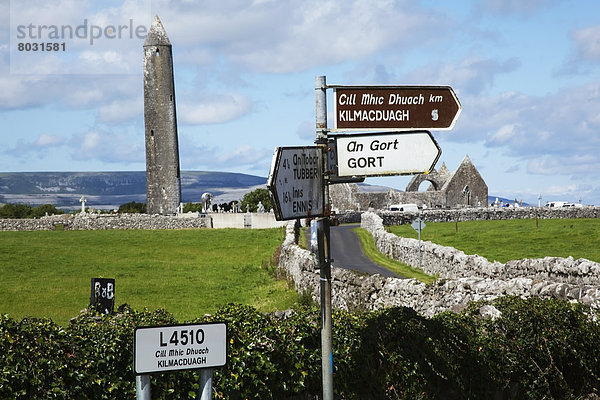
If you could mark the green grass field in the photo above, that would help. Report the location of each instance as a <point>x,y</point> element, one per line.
<point>187,272</point>
<point>515,239</point>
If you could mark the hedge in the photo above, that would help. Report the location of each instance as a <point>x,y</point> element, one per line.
<point>536,349</point>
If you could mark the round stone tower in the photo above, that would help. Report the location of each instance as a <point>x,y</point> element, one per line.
<point>163,177</point>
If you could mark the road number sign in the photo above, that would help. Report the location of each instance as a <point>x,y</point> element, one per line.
<point>296,182</point>
<point>179,347</point>
<point>395,107</point>
<point>386,154</point>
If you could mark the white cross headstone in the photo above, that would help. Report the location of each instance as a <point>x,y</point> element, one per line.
<point>83,200</point>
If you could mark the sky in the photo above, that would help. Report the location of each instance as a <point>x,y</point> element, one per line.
<point>526,72</point>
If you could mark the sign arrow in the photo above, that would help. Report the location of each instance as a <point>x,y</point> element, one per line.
<point>395,107</point>
<point>296,182</point>
<point>381,154</point>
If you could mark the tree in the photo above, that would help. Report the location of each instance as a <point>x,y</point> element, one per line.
<point>42,210</point>
<point>251,199</point>
<point>15,211</point>
<point>133,207</point>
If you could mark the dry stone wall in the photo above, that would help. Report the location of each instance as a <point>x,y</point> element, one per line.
<point>104,222</point>
<point>462,278</point>
<point>488,213</point>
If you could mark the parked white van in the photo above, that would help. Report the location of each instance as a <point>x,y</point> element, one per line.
<point>410,207</point>
<point>559,204</point>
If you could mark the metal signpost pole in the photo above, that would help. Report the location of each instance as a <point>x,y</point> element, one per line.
<point>323,245</point>
<point>206,377</point>
<point>418,225</point>
<point>420,256</point>
<point>142,387</point>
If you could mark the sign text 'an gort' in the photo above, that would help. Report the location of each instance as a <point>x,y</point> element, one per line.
<point>380,154</point>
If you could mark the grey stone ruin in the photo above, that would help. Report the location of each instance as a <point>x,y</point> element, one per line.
<point>163,177</point>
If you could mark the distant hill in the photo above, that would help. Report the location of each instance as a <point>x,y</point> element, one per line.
<point>111,189</point>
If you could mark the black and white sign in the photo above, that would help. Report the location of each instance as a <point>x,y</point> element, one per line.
<point>102,296</point>
<point>296,182</point>
<point>383,154</point>
<point>179,347</point>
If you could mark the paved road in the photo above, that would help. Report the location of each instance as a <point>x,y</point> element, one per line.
<point>347,252</point>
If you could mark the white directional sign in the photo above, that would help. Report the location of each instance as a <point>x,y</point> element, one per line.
<point>386,154</point>
<point>296,182</point>
<point>179,347</point>
<point>418,225</point>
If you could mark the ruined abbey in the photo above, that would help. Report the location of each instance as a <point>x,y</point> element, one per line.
<point>462,188</point>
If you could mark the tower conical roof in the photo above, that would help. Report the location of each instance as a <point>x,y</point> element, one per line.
<point>157,35</point>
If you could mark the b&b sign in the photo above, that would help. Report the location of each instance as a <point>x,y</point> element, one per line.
<point>102,296</point>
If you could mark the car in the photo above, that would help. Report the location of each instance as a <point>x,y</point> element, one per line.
<point>559,204</point>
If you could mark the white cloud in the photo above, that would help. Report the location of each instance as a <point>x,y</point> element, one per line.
<point>587,43</point>
<point>472,75</point>
<point>279,37</point>
<point>503,134</point>
<point>244,157</point>
<point>38,146</point>
<point>108,147</point>
<point>121,110</point>
<point>219,109</point>
<point>553,134</point>
<point>45,140</point>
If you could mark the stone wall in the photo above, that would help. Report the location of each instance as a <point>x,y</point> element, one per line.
<point>488,213</point>
<point>104,222</point>
<point>26,225</point>
<point>143,221</point>
<point>463,278</point>
<point>474,214</point>
<point>450,263</point>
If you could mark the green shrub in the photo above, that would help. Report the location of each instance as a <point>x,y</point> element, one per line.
<point>537,349</point>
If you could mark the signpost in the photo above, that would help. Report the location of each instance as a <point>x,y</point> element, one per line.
<point>418,225</point>
<point>296,182</point>
<point>386,154</point>
<point>178,347</point>
<point>300,176</point>
<point>395,107</point>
